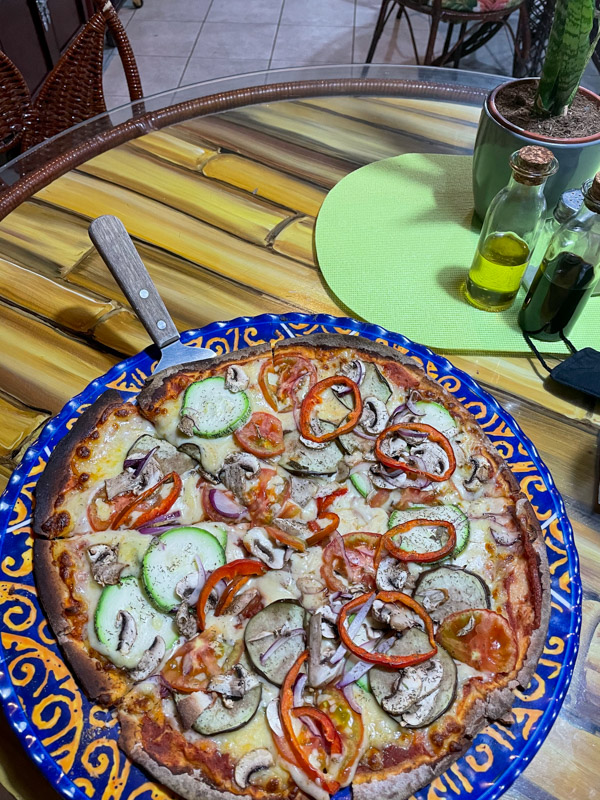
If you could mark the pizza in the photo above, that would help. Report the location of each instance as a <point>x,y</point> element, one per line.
<point>291,569</point>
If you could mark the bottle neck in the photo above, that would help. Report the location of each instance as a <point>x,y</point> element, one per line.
<point>525,189</point>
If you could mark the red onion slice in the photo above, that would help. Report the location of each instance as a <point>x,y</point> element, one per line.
<point>348,693</point>
<point>353,629</point>
<point>364,435</point>
<point>273,717</point>
<point>410,404</point>
<point>195,596</point>
<point>299,688</point>
<point>224,505</point>
<point>278,642</point>
<point>311,726</point>
<point>362,667</point>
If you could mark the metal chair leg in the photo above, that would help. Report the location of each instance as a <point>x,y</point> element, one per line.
<point>458,53</point>
<point>448,39</point>
<point>379,26</point>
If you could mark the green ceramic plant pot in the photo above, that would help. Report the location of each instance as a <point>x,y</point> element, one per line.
<point>497,138</point>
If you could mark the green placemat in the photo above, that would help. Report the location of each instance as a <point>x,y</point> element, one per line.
<point>395,241</point>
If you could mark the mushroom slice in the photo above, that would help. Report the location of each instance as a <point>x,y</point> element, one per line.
<point>302,490</point>
<point>186,621</point>
<point>190,706</point>
<point>258,542</point>
<point>236,379</point>
<point>169,458</point>
<point>397,617</point>
<point>320,672</point>
<point>150,661</point>
<point>374,417</point>
<point>238,469</point>
<point>234,683</point>
<point>482,470</point>
<point>433,698</point>
<point>128,633</point>
<point>243,600</point>
<point>106,569</point>
<point>412,685</point>
<point>429,457</point>
<point>249,764</point>
<point>391,575</point>
<point>293,526</point>
<point>186,587</point>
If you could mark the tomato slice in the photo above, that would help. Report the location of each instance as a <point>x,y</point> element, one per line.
<point>480,638</point>
<point>361,548</point>
<point>116,505</point>
<point>264,501</point>
<point>262,435</point>
<point>293,373</point>
<point>336,569</point>
<point>194,663</point>
<point>349,726</point>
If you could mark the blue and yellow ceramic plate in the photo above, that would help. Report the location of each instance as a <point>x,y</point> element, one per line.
<point>75,742</point>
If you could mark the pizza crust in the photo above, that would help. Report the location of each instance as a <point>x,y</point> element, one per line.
<point>106,686</point>
<point>57,473</point>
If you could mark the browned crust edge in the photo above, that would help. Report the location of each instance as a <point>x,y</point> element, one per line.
<point>106,687</point>
<point>58,469</point>
<point>189,786</point>
<point>155,387</point>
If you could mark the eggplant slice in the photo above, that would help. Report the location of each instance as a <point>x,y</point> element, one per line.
<point>301,460</point>
<point>275,621</point>
<point>444,590</point>
<point>219,718</point>
<point>424,709</point>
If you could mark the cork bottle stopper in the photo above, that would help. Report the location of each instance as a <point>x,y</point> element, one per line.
<point>594,190</point>
<point>533,164</point>
<point>535,158</point>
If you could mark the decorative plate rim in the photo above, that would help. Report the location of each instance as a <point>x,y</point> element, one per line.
<point>15,713</point>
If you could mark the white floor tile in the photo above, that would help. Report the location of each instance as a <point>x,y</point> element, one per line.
<point>205,69</point>
<point>235,40</point>
<point>313,44</point>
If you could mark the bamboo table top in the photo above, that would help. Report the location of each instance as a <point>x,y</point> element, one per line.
<point>222,208</point>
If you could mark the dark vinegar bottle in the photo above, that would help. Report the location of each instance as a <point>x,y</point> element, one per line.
<point>568,273</point>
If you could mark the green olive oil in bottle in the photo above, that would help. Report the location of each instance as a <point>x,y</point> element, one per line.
<point>510,230</point>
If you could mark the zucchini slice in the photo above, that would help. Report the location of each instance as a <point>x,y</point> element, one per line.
<point>172,556</point>
<point>215,410</point>
<point>412,539</point>
<point>127,596</point>
<point>436,416</point>
<point>462,589</point>
<point>361,483</point>
<point>216,529</point>
<point>275,621</point>
<point>425,710</point>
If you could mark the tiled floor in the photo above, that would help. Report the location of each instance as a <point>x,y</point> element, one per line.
<point>178,42</point>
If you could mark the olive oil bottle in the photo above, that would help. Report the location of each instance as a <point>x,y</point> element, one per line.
<point>510,230</point>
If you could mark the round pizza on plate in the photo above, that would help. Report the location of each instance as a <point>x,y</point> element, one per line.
<point>291,569</point>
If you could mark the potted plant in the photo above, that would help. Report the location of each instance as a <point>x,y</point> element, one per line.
<point>553,111</point>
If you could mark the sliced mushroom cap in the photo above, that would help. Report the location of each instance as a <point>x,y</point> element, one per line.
<point>186,621</point>
<point>374,417</point>
<point>150,661</point>
<point>391,575</point>
<point>238,469</point>
<point>482,470</point>
<point>258,542</point>
<point>186,587</point>
<point>249,764</point>
<point>293,526</point>
<point>320,672</point>
<point>429,457</point>
<point>302,490</point>
<point>243,600</point>
<point>397,617</point>
<point>412,685</point>
<point>190,706</point>
<point>234,683</point>
<point>105,566</point>
<point>128,633</point>
<point>236,379</point>
<point>354,370</point>
<point>132,481</point>
<point>383,478</point>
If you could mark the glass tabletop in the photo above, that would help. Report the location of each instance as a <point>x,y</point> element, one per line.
<point>147,112</point>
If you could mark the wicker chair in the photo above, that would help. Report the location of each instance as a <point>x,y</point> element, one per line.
<point>14,104</point>
<point>479,20</point>
<point>72,92</point>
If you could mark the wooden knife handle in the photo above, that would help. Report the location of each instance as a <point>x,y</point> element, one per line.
<point>120,256</point>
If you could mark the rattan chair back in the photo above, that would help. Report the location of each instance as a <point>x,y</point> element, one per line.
<point>73,92</point>
<point>14,103</point>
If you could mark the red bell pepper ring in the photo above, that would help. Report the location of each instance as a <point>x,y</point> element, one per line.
<point>383,659</point>
<point>286,705</point>
<point>322,533</point>
<point>324,722</point>
<point>161,507</point>
<point>229,593</point>
<point>313,398</point>
<point>323,503</point>
<point>432,434</point>
<point>288,539</point>
<point>233,570</point>
<point>413,555</point>
<point>290,369</point>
